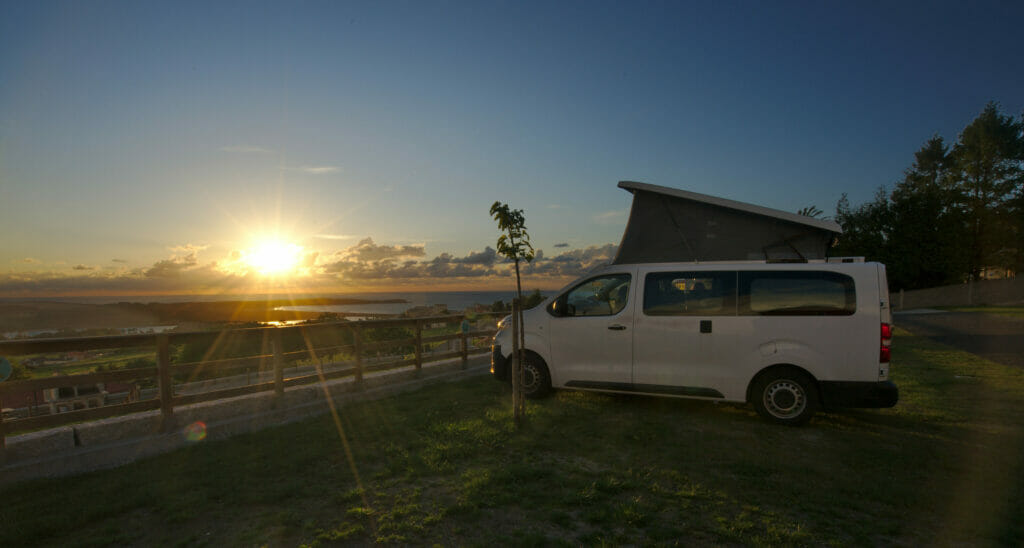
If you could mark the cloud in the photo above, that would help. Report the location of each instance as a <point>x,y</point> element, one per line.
<point>188,248</point>
<point>366,250</point>
<point>30,260</point>
<point>365,264</point>
<point>610,217</point>
<point>485,257</point>
<point>171,268</point>
<point>178,274</point>
<point>246,149</point>
<point>563,244</point>
<point>335,236</point>
<point>571,263</point>
<point>318,170</point>
<point>368,261</point>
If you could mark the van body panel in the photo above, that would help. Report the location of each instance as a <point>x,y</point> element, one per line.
<point>708,330</point>
<point>672,351</point>
<point>586,349</point>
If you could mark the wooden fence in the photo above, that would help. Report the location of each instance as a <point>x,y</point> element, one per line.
<point>166,371</point>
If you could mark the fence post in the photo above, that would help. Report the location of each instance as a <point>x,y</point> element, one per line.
<point>901,300</point>
<point>3,434</point>
<point>165,382</point>
<point>419,347</point>
<point>357,341</point>
<point>278,364</point>
<point>465,350</point>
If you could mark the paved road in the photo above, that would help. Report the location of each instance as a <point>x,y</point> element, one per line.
<point>994,337</point>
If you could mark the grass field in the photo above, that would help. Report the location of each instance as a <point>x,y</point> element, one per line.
<point>444,465</point>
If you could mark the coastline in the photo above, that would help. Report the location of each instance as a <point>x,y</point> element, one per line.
<point>19,318</point>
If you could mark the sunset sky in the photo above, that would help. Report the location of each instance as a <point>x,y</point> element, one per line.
<point>220,147</point>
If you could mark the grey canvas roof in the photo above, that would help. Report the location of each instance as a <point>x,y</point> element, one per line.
<point>670,225</point>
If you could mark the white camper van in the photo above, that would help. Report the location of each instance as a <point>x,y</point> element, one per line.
<point>786,337</point>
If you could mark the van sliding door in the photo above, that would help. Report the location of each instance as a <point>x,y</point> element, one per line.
<point>685,334</point>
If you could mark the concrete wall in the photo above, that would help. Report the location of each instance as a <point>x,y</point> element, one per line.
<point>991,292</point>
<point>119,440</point>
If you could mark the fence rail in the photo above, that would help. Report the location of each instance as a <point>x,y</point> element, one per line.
<point>170,394</point>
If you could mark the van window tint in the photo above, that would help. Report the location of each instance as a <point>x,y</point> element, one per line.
<point>690,294</point>
<point>602,296</point>
<point>776,293</point>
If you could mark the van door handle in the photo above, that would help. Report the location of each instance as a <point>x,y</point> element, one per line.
<point>617,327</point>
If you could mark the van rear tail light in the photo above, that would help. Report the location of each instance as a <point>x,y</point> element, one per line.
<point>885,353</point>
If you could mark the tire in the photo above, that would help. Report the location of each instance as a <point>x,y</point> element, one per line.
<point>785,396</point>
<point>536,378</point>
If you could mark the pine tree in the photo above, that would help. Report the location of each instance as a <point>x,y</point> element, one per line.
<point>988,163</point>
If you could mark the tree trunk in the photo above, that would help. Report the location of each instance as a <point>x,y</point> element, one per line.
<point>519,334</point>
<point>516,365</point>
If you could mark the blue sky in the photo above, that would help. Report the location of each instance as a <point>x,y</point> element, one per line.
<point>139,134</point>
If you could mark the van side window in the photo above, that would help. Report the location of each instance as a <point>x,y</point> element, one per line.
<point>779,293</point>
<point>602,296</point>
<point>709,293</point>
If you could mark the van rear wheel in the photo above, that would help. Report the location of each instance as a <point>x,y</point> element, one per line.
<point>786,396</point>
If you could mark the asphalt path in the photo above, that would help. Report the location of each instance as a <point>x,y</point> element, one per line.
<point>991,336</point>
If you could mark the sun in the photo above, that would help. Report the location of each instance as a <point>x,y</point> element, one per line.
<point>273,257</point>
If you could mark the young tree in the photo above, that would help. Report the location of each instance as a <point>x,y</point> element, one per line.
<point>515,244</point>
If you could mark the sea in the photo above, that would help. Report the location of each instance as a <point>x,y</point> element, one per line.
<point>454,300</point>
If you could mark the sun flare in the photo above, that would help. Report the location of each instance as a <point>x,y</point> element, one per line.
<point>273,257</point>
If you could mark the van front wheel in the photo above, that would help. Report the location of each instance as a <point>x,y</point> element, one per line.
<point>786,396</point>
<point>536,379</point>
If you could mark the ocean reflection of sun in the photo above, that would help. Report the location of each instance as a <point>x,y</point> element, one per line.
<point>273,257</point>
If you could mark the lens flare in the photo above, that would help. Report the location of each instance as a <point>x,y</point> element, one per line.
<point>195,432</point>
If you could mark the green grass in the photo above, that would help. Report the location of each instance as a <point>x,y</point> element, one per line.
<point>445,465</point>
<point>1011,311</point>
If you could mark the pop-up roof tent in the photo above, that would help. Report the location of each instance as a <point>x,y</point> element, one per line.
<point>671,225</point>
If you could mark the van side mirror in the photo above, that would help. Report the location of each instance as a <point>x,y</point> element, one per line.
<point>559,308</point>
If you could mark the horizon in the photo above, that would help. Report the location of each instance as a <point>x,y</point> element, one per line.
<point>240,149</point>
<point>369,296</point>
